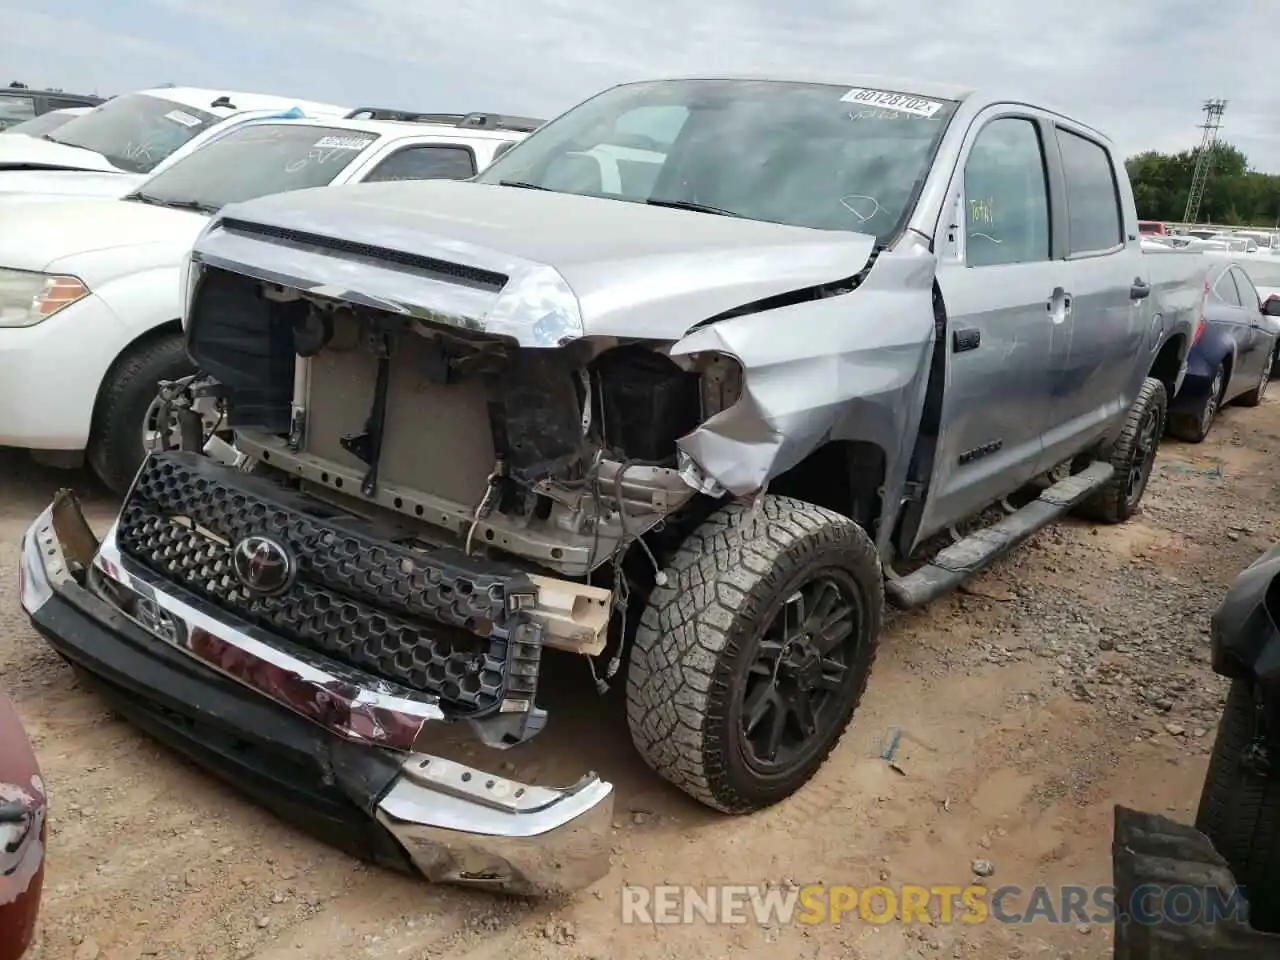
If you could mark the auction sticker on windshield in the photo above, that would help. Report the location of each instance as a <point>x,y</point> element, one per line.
<point>343,143</point>
<point>186,119</point>
<point>901,102</point>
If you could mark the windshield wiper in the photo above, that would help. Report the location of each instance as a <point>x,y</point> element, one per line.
<point>692,205</point>
<point>522,184</point>
<point>174,204</point>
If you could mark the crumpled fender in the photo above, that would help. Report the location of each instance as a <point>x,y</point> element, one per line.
<point>849,367</point>
<point>1245,638</point>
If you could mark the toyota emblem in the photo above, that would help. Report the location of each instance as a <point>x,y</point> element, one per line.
<point>264,566</point>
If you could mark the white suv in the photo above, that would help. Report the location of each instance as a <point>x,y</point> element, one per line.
<point>90,301</point>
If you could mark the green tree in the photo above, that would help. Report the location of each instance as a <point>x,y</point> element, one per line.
<point>1234,193</point>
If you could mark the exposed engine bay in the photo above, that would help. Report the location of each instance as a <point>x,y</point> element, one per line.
<point>560,456</point>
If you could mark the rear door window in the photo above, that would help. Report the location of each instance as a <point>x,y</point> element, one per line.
<point>425,162</point>
<point>1094,224</point>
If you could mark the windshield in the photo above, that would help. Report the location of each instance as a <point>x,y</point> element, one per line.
<point>134,131</point>
<point>39,126</point>
<point>255,160</point>
<point>805,154</point>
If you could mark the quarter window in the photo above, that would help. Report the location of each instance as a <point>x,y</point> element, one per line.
<point>1225,290</point>
<point>1248,292</point>
<point>425,163</point>
<point>1093,200</point>
<point>1006,217</point>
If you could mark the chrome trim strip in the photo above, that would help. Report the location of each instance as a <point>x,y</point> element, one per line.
<point>355,705</point>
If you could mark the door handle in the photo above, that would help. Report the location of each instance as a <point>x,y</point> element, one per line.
<point>1058,305</point>
<point>1139,289</point>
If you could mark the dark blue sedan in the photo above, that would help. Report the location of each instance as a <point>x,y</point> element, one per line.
<point>1231,355</point>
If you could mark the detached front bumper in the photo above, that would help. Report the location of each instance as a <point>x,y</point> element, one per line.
<point>332,750</point>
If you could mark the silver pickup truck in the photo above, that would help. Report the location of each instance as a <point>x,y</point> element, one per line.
<point>686,384</point>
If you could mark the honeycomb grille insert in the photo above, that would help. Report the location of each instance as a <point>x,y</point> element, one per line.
<point>436,622</point>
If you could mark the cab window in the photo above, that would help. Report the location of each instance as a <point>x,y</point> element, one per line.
<point>1006,191</point>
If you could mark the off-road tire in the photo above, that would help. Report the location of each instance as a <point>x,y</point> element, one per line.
<point>693,645</point>
<point>1240,811</point>
<point>115,437</point>
<point>1254,397</point>
<point>1191,428</point>
<point>1111,504</point>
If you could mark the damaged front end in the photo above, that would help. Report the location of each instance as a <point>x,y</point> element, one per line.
<point>402,477</point>
<point>322,736</point>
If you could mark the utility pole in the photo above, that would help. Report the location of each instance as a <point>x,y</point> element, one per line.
<point>1213,110</point>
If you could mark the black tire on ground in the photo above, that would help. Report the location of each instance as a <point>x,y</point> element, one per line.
<point>115,438</point>
<point>1133,454</point>
<point>1194,427</point>
<point>1254,396</point>
<point>700,660</point>
<point>1240,811</point>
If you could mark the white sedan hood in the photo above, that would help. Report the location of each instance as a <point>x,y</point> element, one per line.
<point>37,235</point>
<point>20,152</point>
<point>24,185</point>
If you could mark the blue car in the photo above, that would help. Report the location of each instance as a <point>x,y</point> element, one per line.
<point>1231,355</point>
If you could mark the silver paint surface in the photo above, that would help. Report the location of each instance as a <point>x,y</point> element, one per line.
<point>850,367</point>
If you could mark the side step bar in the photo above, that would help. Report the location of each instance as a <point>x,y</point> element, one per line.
<point>960,561</point>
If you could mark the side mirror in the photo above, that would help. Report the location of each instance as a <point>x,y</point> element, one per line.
<point>1272,307</point>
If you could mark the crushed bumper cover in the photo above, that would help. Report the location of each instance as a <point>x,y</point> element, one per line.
<point>332,750</point>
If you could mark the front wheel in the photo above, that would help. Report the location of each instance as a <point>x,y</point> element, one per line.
<point>1254,396</point>
<point>118,436</point>
<point>749,662</point>
<point>1194,427</point>
<point>1133,454</point>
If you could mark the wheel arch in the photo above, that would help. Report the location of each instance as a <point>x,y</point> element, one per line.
<point>1168,362</point>
<point>144,339</point>
<point>846,476</point>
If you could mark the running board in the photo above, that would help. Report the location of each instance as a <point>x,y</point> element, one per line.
<point>960,561</point>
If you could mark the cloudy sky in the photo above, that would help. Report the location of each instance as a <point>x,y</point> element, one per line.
<point>1139,69</point>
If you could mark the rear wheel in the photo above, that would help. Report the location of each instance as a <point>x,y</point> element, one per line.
<point>748,664</point>
<point>1240,810</point>
<point>117,439</point>
<point>1194,427</point>
<point>1133,454</point>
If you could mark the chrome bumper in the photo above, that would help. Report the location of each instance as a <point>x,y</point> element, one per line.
<point>457,824</point>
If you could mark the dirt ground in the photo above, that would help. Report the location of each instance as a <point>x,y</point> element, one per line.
<point>1072,677</point>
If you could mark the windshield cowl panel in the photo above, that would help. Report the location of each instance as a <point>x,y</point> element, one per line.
<point>810,155</point>
<point>135,131</point>
<point>253,161</point>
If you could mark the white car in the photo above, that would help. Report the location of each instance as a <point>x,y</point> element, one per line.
<point>112,148</point>
<point>90,289</point>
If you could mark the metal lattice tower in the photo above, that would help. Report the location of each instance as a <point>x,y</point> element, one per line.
<point>1213,110</point>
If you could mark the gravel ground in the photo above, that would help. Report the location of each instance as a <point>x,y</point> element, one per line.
<point>1071,677</point>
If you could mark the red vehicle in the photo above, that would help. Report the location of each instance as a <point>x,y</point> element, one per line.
<point>1152,228</point>
<point>22,835</point>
